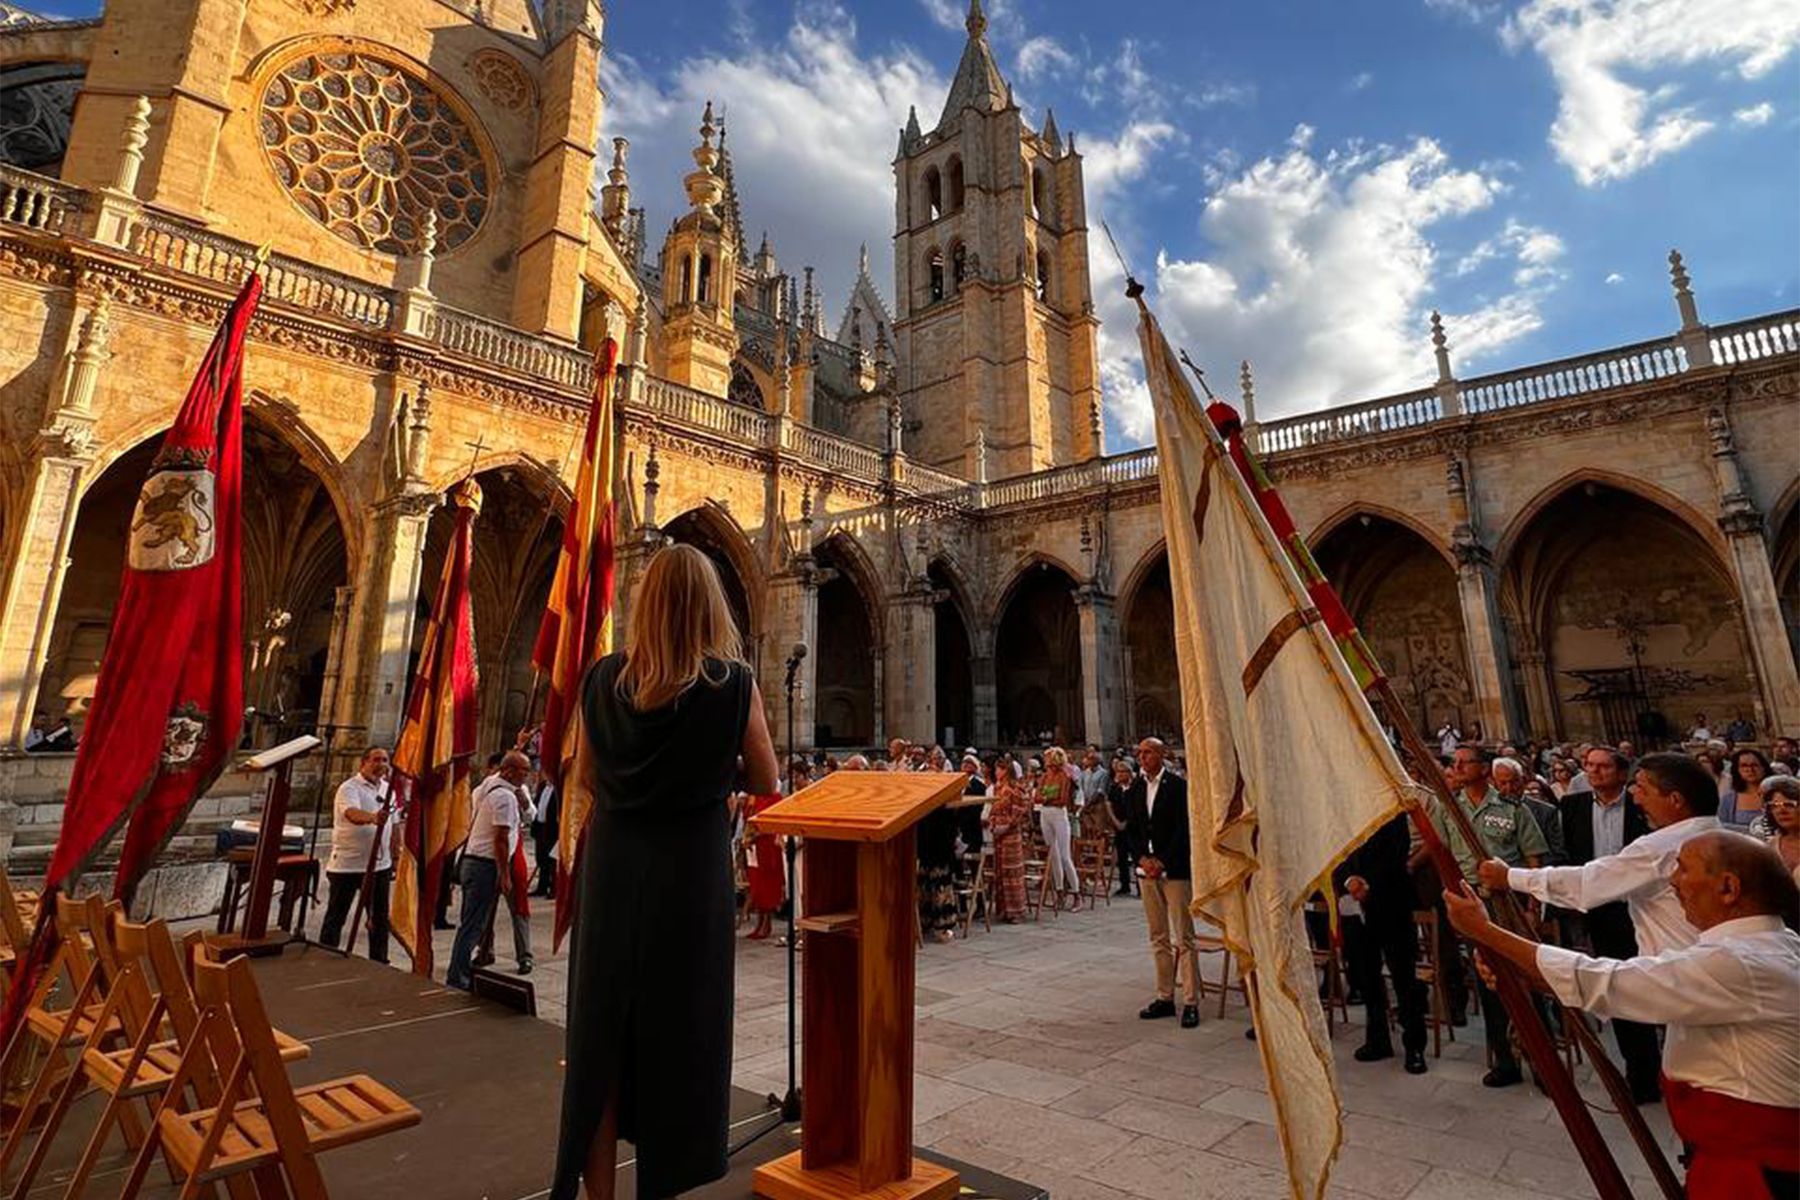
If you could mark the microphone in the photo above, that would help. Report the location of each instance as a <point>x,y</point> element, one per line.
<point>798,653</point>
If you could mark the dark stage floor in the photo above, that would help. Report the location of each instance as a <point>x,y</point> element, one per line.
<point>487,1080</point>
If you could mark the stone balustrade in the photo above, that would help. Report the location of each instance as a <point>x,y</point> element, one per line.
<point>1405,411</point>
<point>494,344</point>
<point>1759,337</point>
<point>702,411</point>
<point>1620,367</point>
<point>35,202</point>
<point>837,453</point>
<point>929,481</point>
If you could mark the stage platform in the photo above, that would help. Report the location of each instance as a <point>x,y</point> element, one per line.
<point>488,1081</point>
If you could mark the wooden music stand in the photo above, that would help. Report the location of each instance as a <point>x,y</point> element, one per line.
<point>254,937</point>
<point>860,911</point>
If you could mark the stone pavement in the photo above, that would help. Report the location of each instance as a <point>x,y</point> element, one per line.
<point>1031,1061</point>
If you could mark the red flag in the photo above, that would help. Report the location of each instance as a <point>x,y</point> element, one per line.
<point>169,703</point>
<point>437,742</point>
<point>576,626</point>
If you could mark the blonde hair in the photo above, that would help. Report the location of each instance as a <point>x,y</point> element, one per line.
<point>1056,756</point>
<point>679,621</point>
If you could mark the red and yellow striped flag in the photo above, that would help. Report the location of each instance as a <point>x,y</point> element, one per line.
<point>577,627</point>
<point>437,742</point>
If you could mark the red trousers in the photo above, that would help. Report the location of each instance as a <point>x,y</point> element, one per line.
<point>1731,1141</point>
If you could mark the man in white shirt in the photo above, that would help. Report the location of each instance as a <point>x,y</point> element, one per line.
<point>1731,1064</point>
<point>1622,882</point>
<point>486,861</point>
<point>356,815</point>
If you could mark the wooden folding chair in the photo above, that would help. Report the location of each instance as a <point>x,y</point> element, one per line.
<point>1208,944</point>
<point>972,893</point>
<point>1094,868</point>
<point>18,913</point>
<point>1425,931</point>
<point>60,1033</point>
<point>262,1126</point>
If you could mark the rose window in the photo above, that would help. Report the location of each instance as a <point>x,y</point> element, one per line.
<point>367,148</point>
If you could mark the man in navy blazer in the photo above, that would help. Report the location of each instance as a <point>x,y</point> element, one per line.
<point>1158,819</point>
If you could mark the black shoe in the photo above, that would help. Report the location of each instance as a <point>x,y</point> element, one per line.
<point>442,925</point>
<point>1372,1053</point>
<point>1459,1019</point>
<point>524,968</point>
<point>1646,1093</point>
<point>1157,1009</point>
<point>1190,1016</point>
<point>1250,1034</point>
<point>1415,1062</point>
<point>1505,1076</point>
<point>1124,891</point>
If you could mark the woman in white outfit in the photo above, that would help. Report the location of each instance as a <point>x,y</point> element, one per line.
<point>1056,796</point>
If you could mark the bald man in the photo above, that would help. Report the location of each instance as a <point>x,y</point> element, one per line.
<point>1731,1001</point>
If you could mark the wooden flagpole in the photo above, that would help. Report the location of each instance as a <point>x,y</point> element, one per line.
<point>1515,997</point>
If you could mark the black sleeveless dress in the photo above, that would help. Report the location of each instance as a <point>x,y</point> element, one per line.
<point>651,959</point>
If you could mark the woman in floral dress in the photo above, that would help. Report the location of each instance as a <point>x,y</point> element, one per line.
<point>1007,817</point>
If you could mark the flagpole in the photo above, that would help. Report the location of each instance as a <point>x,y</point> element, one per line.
<point>1514,996</point>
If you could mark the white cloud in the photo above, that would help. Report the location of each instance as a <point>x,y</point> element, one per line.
<point>1476,12</point>
<point>809,117</point>
<point>1322,271</point>
<point>1534,250</point>
<point>1041,55</point>
<point>1756,114</point>
<point>947,13</point>
<point>1361,80</point>
<point>1613,277</point>
<point>1612,121</point>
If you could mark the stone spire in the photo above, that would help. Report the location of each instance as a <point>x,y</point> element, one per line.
<point>615,197</point>
<point>1051,135</point>
<point>705,189</point>
<point>978,83</point>
<point>730,211</point>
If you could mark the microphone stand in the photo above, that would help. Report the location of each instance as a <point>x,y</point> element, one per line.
<point>786,1107</point>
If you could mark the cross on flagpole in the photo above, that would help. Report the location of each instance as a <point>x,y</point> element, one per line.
<point>475,448</point>
<point>1198,374</point>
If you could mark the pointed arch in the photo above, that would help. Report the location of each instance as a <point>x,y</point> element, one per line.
<point>953,177</point>
<point>537,475</point>
<point>1357,509</point>
<point>1146,610</point>
<point>953,647</point>
<point>712,528</point>
<point>1034,560</point>
<point>850,643</point>
<point>1696,521</point>
<point>1037,655</point>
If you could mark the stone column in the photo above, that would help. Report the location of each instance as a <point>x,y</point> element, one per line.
<point>911,675</point>
<point>60,459</point>
<point>1765,633</point>
<point>1483,634</point>
<point>794,620</point>
<point>390,592</point>
<point>1540,690</point>
<point>984,688</point>
<point>1101,673</point>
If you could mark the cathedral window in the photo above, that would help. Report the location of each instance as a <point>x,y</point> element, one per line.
<point>366,147</point>
<point>1040,195</point>
<point>1043,276</point>
<point>959,265</point>
<point>703,283</point>
<point>744,389</point>
<point>934,264</point>
<point>686,294</point>
<point>956,184</point>
<point>934,194</point>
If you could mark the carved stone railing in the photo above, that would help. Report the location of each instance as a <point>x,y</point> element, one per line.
<point>929,481</point>
<point>1614,368</point>
<point>1061,481</point>
<point>1759,337</point>
<point>35,202</point>
<point>510,349</point>
<point>702,411</point>
<point>837,453</point>
<point>1404,411</point>
<point>186,248</point>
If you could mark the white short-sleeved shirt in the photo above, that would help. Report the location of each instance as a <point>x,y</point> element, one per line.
<point>350,843</point>
<point>495,802</point>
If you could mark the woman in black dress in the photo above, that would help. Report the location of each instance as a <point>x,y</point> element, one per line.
<point>652,962</point>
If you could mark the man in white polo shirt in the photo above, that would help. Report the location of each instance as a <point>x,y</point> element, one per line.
<point>355,815</point>
<point>486,861</point>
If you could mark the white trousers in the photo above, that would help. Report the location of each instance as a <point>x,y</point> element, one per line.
<point>1055,824</point>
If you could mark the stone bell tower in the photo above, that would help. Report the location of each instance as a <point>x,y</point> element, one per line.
<point>699,274</point>
<point>993,316</point>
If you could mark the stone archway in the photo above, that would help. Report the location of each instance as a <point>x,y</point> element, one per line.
<point>295,558</point>
<point>1632,613</point>
<point>1401,591</point>
<point>954,653</point>
<point>1037,658</point>
<point>1153,677</point>
<point>1784,558</point>
<point>516,539</point>
<point>845,685</point>
<point>709,533</point>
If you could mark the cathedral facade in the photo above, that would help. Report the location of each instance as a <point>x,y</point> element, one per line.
<point>920,495</point>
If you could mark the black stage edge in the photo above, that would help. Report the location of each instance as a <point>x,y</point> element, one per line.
<point>488,1081</point>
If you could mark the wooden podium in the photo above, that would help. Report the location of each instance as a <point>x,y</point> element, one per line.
<point>860,915</point>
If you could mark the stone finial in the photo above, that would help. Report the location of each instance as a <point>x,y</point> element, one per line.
<point>615,197</point>
<point>977,22</point>
<point>131,146</point>
<point>981,455</point>
<point>1052,138</point>
<point>705,187</point>
<point>1247,389</point>
<point>1440,346</point>
<point>1684,291</point>
<point>896,420</point>
<point>418,433</point>
<point>809,305</point>
<point>862,260</point>
<point>652,473</point>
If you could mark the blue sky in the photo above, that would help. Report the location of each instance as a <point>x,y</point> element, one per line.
<point>1300,181</point>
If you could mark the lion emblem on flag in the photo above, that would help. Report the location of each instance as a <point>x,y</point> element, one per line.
<point>172,528</point>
